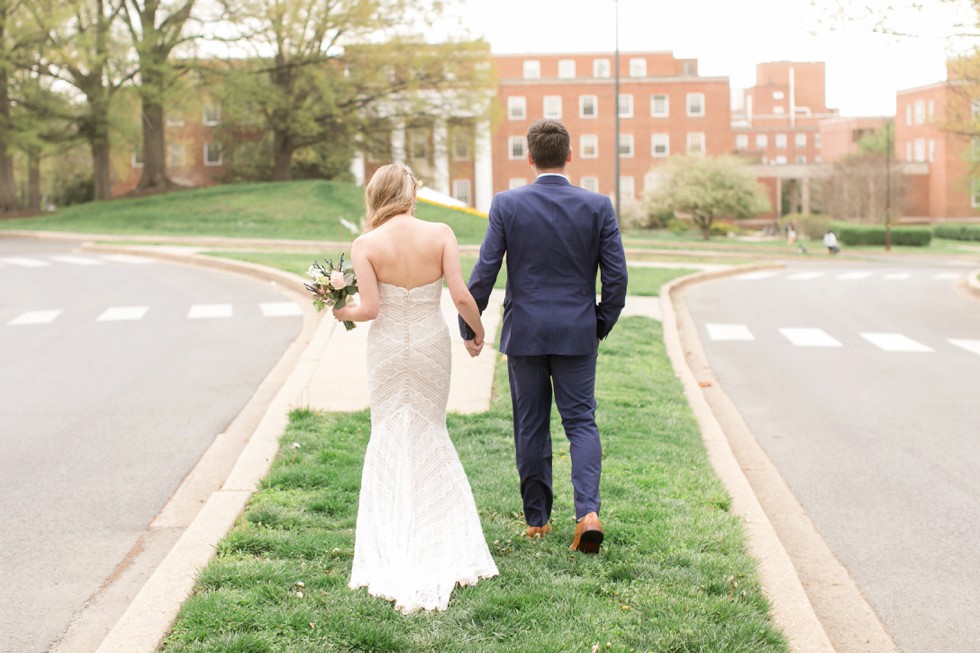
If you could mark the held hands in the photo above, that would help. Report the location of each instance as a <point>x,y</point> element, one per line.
<point>474,346</point>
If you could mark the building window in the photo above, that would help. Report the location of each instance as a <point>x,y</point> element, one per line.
<point>588,106</point>
<point>590,183</point>
<point>761,141</point>
<point>212,154</point>
<point>799,140</point>
<point>625,105</point>
<point>659,106</point>
<point>920,149</point>
<point>690,68</point>
<point>462,150</point>
<point>418,144</point>
<point>516,148</point>
<point>532,69</point>
<point>695,104</point>
<point>660,145</point>
<point>741,142</point>
<point>638,67</point>
<point>552,107</point>
<point>516,107</point>
<point>695,143</point>
<point>588,146</point>
<point>778,110</point>
<point>975,193</point>
<point>600,68</point>
<point>930,116</point>
<point>780,141</point>
<point>212,115</point>
<point>800,158</point>
<point>175,120</point>
<point>780,160</point>
<point>908,115</point>
<point>566,69</point>
<point>908,151</point>
<point>516,182</point>
<point>136,159</point>
<point>626,146</point>
<point>175,155</point>
<point>920,112</point>
<point>932,149</point>
<point>975,108</point>
<point>463,191</point>
<point>627,188</point>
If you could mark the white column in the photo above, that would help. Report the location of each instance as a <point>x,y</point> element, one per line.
<point>483,166</point>
<point>357,167</point>
<point>440,156</point>
<point>398,142</point>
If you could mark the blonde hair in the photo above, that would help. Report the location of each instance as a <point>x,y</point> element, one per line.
<point>390,192</point>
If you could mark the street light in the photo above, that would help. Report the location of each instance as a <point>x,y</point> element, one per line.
<point>616,109</point>
<point>888,185</point>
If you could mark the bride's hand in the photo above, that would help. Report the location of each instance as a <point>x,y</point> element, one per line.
<point>474,347</point>
<point>341,314</point>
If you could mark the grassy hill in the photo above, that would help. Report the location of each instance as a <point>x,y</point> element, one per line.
<point>302,210</point>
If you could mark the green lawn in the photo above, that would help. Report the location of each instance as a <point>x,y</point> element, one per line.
<point>673,574</point>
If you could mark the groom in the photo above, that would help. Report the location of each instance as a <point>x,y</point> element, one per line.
<point>556,237</point>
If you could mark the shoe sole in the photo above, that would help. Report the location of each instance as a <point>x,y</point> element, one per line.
<point>590,542</point>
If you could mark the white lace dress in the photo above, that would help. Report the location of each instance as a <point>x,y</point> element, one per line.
<point>418,530</point>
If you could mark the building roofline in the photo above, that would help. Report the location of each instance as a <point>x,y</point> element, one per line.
<point>582,54</point>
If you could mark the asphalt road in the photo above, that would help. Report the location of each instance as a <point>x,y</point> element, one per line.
<point>859,380</point>
<point>116,374</point>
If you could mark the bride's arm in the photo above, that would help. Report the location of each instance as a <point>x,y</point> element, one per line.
<point>367,288</point>
<point>460,294</point>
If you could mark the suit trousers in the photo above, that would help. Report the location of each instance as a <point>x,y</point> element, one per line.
<point>573,380</point>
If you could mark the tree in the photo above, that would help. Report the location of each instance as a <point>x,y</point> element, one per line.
<point>707,188</point>
<point>155,32</point>
<point>857,186</point>
<point>313,76</point>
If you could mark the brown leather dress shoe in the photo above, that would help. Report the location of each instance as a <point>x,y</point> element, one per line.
<point>588,534</point>
<point>538,531</point>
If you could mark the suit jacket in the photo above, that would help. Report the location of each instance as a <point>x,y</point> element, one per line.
<point>556,238</point>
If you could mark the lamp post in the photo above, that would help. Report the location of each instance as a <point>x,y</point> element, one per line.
<point>888,185</point>
<point>616,110</point>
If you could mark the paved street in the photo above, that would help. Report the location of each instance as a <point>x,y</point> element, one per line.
<point>117,373</point>
<point>859,380</point>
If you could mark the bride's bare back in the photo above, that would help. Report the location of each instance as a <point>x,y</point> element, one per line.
<point>407,252</point>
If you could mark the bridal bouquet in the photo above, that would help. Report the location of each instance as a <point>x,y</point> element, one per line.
<point>332,285</point>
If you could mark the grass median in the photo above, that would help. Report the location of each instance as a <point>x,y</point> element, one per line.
<point>673,574</point>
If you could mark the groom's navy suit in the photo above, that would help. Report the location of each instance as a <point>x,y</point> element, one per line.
<point>556,238</point>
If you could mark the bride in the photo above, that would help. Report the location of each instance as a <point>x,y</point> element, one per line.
<point>418,532</point>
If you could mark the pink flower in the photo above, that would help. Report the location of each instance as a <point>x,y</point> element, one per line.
<point>337,280</point>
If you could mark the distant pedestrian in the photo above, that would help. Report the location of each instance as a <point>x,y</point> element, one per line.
<point>830,242</point>
<point>790,233</point>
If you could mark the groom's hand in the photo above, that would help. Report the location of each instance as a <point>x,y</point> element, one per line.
<point>473,348</point>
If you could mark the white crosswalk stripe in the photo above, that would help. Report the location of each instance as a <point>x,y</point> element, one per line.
<point>755,276</point>
<point>729,332</point>
<point>208,311</point>
<point>121,313</point>
<point>897,276</point>
<point>852,276</point>
<point>810,337</point>
<point>126,258</point>
<point>77,260</point>
<point>35,317</point>
<point>280,309</point>
<point>805,276</point>
<point>948,276</point>
<point>895,342</point>
<point>969,345</point>
<point>24,262</point>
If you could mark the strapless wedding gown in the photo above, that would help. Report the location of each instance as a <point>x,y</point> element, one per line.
<point>418,530</point>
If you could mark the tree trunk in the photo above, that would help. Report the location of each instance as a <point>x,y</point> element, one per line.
<point>282,157</point>
<point>8,191</point>
<point>101,180</point>
<point>34,181</point>
<point>154,148</point>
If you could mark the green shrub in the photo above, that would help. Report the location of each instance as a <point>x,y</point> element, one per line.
<point>874,235</point>
<point>957,231</point>
<point>676,226</point>
<point>808,225</point>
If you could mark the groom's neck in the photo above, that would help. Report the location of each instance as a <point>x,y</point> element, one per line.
<point>550,171</point>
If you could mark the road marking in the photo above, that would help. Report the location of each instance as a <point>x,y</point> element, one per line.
<point>126,258</point>
<point>77,260</point>
<point>894,342</point>
<point>205,311</point>
<point>35,317</point>
<point>969,345</point>
<point>897,276</point>
<point>805,276</point>
<point>729,332</point>
<point>20,261</point>
<point>280,309</point>
<point>118,313</point>
<point>849,276</point>
<point>754,276</point>
<point>810,337</point>
<point>948,276</point>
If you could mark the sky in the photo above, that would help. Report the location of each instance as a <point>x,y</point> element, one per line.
<point>864,69</point>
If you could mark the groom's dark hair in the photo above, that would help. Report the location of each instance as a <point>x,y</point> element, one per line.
<point>548,143</point>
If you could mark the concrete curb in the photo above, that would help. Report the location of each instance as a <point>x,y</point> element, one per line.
<point>792,610</point>
<point>973,282</point>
